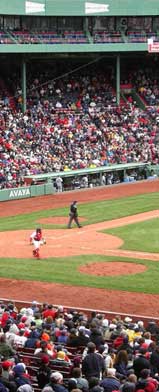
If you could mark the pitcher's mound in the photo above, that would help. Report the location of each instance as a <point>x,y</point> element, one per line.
<point>112,268</point>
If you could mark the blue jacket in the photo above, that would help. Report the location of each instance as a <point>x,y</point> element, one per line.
<point>110,384</point>
<point>58,387</point>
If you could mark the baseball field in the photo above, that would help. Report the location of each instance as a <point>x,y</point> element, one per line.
<point>111,263</point>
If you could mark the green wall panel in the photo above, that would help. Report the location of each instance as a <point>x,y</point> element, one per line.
<point>37,190</point>
<point>15,193</point>
<point>79,7</point>
<point>76,48</point>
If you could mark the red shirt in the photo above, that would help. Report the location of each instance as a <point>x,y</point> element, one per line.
<point>49,312</point>
<point>38,236</point>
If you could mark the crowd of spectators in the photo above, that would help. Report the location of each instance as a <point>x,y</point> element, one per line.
<point>72,123</point>
<point>102,355</point>
<point>147,85</point>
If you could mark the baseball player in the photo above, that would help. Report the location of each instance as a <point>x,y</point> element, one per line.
<point>36,239</point>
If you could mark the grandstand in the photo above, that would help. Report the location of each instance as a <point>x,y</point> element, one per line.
<point>75,78</point>
<point>79,98</point>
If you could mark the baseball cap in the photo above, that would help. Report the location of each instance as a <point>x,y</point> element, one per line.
<point>45,359</point>
<point>61,355</point>
<point>56,376</point>
<point>7,364</point>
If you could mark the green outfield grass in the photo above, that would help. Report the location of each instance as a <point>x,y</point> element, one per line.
<point>65,270</point>
<point>142,236</point>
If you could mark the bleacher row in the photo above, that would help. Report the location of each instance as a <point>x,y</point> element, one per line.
<point>33,362</point>
<point>75,37</point>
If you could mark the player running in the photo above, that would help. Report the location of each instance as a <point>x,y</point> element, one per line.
<point>37,239</point>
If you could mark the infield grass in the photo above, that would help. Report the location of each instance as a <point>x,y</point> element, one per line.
<point>66,271</point>
<point>92,212</point>
<point>142,236</point>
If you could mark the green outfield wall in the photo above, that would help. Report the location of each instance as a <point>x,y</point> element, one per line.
<point>26,192</point>
<point>76,48</point>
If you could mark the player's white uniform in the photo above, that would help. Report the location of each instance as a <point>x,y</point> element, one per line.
<point>34,242</point>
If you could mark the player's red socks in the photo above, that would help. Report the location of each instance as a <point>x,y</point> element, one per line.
<point>36,253</point>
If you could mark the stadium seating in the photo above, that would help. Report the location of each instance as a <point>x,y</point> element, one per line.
<point>75,37</point>
<point>78,119</point>
<point>111,330</point>
<point>101,37</point>
<point>50,37</point>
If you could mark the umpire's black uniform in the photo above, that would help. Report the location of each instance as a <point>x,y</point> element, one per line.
<point>73,215</point>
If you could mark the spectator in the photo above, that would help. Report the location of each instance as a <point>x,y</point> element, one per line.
<point>93,364</point>
<point>121,362</point>
<point>125,345</point>
<point>32,339</point>
<point>44,349</point>
<point>81,339</point>
<point>96,337</point>
<point>20,376</point>
<point>141,362</point>
<point>72,384</point>
<point>5,377</point>
<point>56,382</point>
<point>128,387</point>
<point>109,382</point>
<point>61,359</point>
<point>49,311</point>
<point>94,385</point>
<point>145,381</point>
<point>62,337</point>
<point>154,360</point>
<point>44,372</point>
<point>6,351</point>
<point>25,388</point>
<point>82,383</point>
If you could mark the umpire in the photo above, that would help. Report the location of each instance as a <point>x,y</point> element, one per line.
<point>73,215</point>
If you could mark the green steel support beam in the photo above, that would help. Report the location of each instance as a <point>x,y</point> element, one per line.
<point>24,85</point>
<point>118,79</point>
